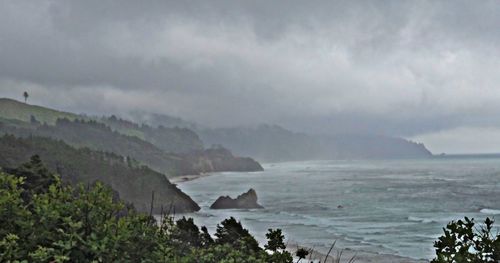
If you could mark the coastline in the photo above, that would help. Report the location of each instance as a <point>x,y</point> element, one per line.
<point>316,256</point>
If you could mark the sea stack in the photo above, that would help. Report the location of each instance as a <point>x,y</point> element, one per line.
<point>246,200</point>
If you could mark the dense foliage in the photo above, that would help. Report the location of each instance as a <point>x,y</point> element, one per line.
<point>464,242</point>
<point>133,182</point>
<point>61,223</point>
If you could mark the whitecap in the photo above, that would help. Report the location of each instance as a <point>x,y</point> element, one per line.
<point>421,220</point>
<point>490,211</point>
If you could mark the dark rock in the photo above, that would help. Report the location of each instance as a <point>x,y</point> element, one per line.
<point>246,200</point>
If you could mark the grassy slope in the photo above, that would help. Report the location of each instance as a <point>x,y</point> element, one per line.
<point>168,139</point>
<point>16,110</point>
<point>13,109</point>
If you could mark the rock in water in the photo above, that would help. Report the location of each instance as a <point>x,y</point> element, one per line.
<point>245,200</point>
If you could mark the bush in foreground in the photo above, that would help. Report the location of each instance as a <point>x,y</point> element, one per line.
<point>464,242</point>
<point>43,220</point>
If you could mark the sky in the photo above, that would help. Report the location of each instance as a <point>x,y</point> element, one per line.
<point>424,70</point>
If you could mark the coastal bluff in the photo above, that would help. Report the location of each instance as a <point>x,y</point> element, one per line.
<point>246,200</point>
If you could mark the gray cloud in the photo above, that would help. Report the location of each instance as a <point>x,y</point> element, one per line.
<point>393,67</point>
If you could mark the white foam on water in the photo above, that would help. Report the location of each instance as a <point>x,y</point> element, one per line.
<point>401,206</point>
<point>490,211</point>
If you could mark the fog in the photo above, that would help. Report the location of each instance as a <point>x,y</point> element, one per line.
<point>424,70</point>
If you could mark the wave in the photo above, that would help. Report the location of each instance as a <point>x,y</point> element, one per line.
<point>490,211</point>
<point>422,220</point>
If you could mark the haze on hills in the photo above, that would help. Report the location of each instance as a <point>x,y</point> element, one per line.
<point>176,147</point>
<point>424,70</point>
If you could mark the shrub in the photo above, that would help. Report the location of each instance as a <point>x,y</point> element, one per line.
<point>463,242</point>
<point>62,223</point>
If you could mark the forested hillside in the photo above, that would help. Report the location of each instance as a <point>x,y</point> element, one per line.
<point>169,139</point>
<point>134,183</point>
<point>98,136</point>
<point>172,151</point>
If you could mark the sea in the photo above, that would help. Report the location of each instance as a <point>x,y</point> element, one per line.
<point>396,207</point>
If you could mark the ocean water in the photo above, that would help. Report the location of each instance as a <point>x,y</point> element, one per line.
<point>392,207</point>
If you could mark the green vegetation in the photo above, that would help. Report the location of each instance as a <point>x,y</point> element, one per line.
<point>12,109</point>
<point>172,140</point>
<point>172,151</point>
<point>133,182</point>
<point>464,242</point>
<point>88,224</point>
<point>97,136</point>
<point>44,220</point>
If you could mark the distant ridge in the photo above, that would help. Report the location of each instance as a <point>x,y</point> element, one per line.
<point>274,143</point>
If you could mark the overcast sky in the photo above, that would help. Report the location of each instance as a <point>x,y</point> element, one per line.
<point>426,70</point>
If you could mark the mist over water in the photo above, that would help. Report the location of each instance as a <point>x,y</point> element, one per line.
<point>394,207</point>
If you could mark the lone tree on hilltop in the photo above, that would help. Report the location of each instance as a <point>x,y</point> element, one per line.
<point>25,95</point>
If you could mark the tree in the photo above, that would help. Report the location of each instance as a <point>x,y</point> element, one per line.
<point>275,240</point>
<point>186,235</point>
<point>25,95</point>
<point>463,242</point>
<point>231,232</point>
<point>37,178</point>
<point>301,253</point>
<point>85,223</point>
<point>275,243</point>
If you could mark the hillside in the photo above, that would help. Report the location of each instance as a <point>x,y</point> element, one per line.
<point>156,120</point>
<point>169,139</point>
<point>133,182</point>
<point>274,143</point>
<point>98,136</point>
<point>159,134</point>
<point>15,110</point>
<point>172,151</point>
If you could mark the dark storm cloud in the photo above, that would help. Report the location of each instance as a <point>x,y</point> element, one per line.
<point>394,67</point>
